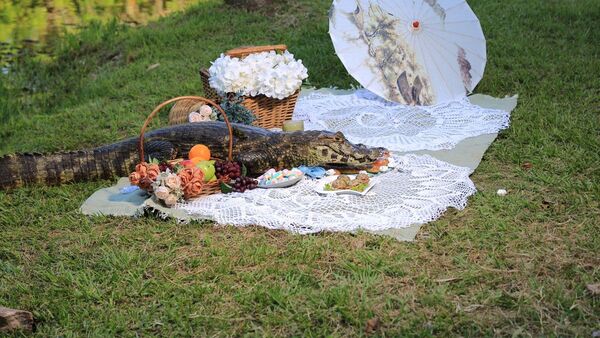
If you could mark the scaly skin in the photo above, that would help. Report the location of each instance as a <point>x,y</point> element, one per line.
<point>257,148</point>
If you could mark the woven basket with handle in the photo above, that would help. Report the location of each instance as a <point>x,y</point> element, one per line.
<point>209,188</point>
<point>269,112</point>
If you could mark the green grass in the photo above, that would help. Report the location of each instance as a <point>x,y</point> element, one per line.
<point>521,262</point>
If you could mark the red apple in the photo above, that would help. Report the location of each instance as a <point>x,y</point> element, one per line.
<point>187,163</point>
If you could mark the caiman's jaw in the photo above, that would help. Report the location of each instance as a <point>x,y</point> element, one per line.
<point>334,151</point>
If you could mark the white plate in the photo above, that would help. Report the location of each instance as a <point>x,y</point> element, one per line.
<point>320,188</point>
<point>284,184</point>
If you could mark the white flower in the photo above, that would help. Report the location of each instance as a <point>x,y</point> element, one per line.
<point>502,192</point>
<point>268,73</point>
<point>173,182</point>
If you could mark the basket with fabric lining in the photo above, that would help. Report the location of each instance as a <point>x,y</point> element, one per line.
<point>209,188</point>
<point>269,112</point>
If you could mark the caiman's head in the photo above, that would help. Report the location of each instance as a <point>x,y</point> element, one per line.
<point>334,151</point>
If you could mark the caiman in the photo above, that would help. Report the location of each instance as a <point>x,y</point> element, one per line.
<point>258,149</point>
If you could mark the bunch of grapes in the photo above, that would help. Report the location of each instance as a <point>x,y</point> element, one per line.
<point>163,166</point>
<point>228,168</point>
<point>241,184</point>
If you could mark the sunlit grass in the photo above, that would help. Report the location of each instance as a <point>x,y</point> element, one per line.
<point>503,266</point>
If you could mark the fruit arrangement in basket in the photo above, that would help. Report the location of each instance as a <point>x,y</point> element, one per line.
<point>180,180</point>
<point>175,181</point>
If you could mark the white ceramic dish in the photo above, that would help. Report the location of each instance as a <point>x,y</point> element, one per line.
<point>284,184</point>
<point>320,188</point>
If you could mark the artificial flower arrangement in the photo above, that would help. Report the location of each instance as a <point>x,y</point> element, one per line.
<point>169,183</point>
<point>178,181</point>
<point>231,104</point>
<point>275,75</point>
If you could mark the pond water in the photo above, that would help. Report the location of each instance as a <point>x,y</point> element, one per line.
<point>33,24</point>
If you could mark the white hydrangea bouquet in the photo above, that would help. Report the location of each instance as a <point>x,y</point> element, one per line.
<point>274,75</point>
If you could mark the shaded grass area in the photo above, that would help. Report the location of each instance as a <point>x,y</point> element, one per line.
<point>517,265</point>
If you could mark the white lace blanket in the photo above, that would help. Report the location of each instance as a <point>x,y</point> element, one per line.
<point>419,190</point>
<point>365,118</point>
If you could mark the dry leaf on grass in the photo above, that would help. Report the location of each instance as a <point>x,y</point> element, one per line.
<point>527,166</point>
<point>468,308</point>
<point>472,307</point>
<point>594,289</point>
<point>373,325</point>
<point>156,65</point>
<point>447,280</point>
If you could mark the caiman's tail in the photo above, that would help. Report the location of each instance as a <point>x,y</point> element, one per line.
<point>53,169</point>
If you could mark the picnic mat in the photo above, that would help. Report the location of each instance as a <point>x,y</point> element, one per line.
<point>367,119</point>
<point>455,164</point>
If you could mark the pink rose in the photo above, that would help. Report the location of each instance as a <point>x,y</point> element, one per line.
<point>145,174</point>
<point>134,178</point>
<point>146,184</point>
<point>162,192</point>
<point>173,181</point>
<point>186,175</point>
<point>205,111</point>
<point>142,169</point>
<point>192,181</point>
<point>171,200</point>
<point>153,171</point>
<point>193,188</point>
<point>194,117</point>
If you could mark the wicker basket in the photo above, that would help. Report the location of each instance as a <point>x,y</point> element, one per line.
<point>209,188</point>
<point>269,112</point>
<point>181,110</point>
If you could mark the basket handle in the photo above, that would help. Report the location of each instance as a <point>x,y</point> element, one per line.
<point>198,98</point>
<point>243,51</point>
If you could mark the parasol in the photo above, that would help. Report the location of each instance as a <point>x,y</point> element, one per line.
<point>416,52</point>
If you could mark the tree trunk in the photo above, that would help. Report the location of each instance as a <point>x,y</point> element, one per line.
<point>159,7</point>
<point>12,320</point>
<point>132,9</point>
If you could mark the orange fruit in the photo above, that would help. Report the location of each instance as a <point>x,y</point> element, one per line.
<point>200,151</point>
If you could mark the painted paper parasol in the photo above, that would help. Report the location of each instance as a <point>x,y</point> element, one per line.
<point>416,52</point>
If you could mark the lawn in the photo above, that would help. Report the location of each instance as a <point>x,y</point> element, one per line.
<point>516,265</point>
